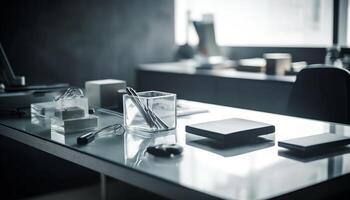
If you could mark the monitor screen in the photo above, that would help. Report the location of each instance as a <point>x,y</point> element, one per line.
<point>7,77</point>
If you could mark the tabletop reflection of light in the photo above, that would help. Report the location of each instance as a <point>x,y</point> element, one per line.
<point>250,171</point>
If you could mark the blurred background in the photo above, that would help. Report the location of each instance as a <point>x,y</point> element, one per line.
<point>65,41</point>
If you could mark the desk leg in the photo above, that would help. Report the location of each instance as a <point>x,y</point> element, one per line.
<point>103,187</point>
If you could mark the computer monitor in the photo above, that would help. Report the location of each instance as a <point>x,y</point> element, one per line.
<point>7,77</point>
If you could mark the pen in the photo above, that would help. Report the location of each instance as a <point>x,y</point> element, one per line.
<point>139,106</point>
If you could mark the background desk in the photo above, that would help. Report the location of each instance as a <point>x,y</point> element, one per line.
<point>206,170</point>
<point>255,91</point>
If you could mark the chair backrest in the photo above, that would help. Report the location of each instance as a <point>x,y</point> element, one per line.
<point>321,92</point>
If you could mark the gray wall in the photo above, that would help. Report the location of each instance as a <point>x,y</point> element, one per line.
<point>73,41</point>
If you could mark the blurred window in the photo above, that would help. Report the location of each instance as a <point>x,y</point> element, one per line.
<point>260,22</point>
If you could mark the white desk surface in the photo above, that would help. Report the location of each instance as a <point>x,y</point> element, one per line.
<point>205,169</point>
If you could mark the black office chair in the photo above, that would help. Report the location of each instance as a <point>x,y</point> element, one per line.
<point>321,92</point>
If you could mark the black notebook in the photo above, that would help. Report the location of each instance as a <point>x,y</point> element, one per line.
<point>230,128</point>
<point>315,142</point>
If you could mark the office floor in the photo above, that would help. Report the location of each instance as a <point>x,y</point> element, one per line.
<point>87,193</point>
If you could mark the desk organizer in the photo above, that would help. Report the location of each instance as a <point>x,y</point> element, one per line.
<point>71,108</point>
<point>151,111</point>
<point>67,113</point>
<point>71,115</point>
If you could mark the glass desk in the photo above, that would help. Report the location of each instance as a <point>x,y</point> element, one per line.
<point>205,170</point>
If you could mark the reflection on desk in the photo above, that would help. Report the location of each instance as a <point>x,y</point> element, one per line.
<point>228,149</point>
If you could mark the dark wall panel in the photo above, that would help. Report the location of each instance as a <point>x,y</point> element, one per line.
<point>197,88</point>
<point>262,95</point>
<point>74,41</point>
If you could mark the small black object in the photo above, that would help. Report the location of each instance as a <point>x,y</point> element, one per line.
<point>91,111</point>
<point>86,138</point>
<point>165,150</point>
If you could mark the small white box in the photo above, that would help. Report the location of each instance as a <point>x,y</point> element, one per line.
<point>104,93</point>
<point>74,125</point>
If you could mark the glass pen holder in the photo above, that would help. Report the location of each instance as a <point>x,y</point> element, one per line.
<point>150,111</point>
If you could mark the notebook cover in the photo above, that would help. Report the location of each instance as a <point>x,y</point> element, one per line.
<point>315,142</point>
<point>230,128</point>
